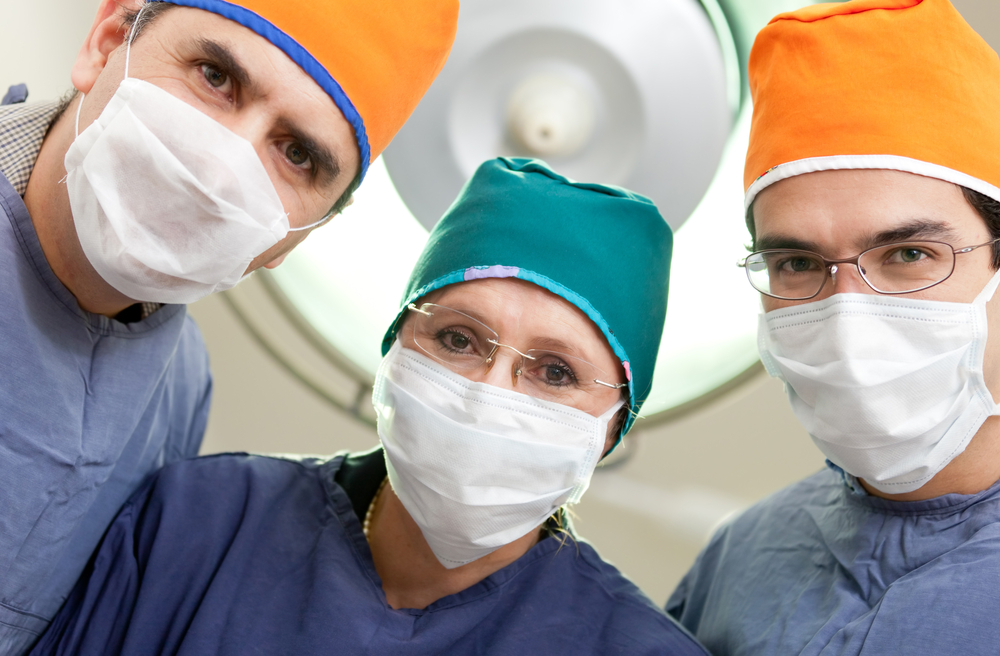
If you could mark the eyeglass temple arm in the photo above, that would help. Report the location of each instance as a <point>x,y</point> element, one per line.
<point>969,249</point>
<point>413,307</point>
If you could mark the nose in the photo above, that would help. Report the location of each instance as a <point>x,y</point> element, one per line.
<point>501,371</point>
<point>253,125</point>
<point>846,279</point>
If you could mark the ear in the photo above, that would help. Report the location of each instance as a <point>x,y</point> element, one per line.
<point>105,36</point>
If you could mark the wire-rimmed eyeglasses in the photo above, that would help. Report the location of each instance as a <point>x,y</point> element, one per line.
<point>899,268</point>
<point>463,343</point>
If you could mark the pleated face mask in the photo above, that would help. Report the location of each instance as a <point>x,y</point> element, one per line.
<point>890,388</point>
<point>169,205</point>
<point>478,466</point>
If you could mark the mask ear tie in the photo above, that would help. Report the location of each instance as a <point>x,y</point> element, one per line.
<point>990,289</point>
<point>78,108</point>
<point>131,36</point>
<point>325,219</point>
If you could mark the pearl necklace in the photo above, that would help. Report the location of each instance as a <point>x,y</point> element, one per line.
<point>371,508</point>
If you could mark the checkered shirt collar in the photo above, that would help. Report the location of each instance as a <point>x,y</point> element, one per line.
<point>22,130</point>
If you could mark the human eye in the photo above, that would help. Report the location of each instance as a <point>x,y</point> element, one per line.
<point>298,155</point>
<point>795,263</point>
<point>908,254</point>
<point>456,340</point>
<point>217,78</point>
<point>553,371</point>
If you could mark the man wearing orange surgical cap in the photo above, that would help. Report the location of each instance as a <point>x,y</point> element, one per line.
<point>873,200</point>
<point>205,139</point>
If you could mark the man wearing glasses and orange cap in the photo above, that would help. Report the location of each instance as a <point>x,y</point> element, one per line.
<point>208,138</point>
<point>873,199</point>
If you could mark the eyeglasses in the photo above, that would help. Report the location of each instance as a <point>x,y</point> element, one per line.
<point>901,268</point>
<point>463,343</point>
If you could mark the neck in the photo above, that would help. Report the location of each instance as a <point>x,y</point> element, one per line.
<point>47,200</point>
<point>972,471</point>
<point>411,575</point>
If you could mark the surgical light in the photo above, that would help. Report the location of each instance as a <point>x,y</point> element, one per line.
<point>641,93</point>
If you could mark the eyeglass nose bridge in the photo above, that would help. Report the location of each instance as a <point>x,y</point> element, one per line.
<point>833,266</point>
<point>516,373</point>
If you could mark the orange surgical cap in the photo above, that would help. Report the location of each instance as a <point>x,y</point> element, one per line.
<point>376,58</point>
<point>874,84</point>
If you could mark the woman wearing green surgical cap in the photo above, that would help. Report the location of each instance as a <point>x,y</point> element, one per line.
<point>523,349</point>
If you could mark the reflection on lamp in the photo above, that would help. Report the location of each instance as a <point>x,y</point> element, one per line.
<point>634,93</point>
<point>583,88</point>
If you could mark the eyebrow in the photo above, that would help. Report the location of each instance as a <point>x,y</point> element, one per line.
<point>554,344</point>
<point>225,58</point>
<point>327,165</point>
<point>916,229</point>
<point>775,242</point>
<point>539,343</point>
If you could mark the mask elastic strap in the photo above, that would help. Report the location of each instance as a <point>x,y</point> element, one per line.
<point>609,415</point>
<point>78,108</point>
<point>131,36</point>
<point>991,287</point>
<point>325,219</point>
<point>128,54</point>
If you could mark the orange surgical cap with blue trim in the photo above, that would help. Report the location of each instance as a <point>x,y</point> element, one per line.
<point>905,85</point>
<point>375,58</point>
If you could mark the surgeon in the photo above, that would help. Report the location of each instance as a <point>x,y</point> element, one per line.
<point>524,347</point>
<point>206,140</point>
<point>873,198</point>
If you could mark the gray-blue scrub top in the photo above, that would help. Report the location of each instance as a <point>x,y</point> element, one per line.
<point>824,568</point>
<point>89,407</point>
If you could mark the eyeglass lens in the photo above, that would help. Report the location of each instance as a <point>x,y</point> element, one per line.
<point>891,269</point>
<point>463,343</point>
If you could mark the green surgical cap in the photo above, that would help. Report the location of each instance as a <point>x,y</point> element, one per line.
<point>604,249</point>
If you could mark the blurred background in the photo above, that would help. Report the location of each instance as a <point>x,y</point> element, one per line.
<point>647,94</point>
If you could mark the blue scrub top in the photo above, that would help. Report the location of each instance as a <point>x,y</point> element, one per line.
<point>242,554</point>
<point>824,568</point>
<point>89,407</point>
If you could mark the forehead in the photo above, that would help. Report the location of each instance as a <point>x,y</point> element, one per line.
<point>188,26</point>
<point>852,206</point>
<point>517,308</point>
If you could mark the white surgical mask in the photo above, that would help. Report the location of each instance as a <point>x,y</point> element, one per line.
<point>478,466</point>
<point>890,388</point>
<point>169,205</point>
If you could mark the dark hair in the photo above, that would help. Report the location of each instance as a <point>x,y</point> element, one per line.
<point>618,421</point>
<point>345,197</point>
<point>987,208</point>
<point>149,12</point>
